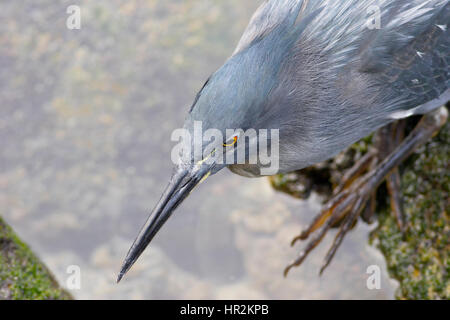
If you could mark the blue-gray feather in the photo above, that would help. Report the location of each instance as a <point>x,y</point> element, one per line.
<point>314,70</point>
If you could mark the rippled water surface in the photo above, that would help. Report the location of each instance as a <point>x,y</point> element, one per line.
<point>85,123</point>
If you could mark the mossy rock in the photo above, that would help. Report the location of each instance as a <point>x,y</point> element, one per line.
<point>22,274</point>
<point>418,259</point>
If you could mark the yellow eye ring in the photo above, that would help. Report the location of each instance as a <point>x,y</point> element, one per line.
<point>231,144</point>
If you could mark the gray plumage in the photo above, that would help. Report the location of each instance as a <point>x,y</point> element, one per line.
<point>314,70</point>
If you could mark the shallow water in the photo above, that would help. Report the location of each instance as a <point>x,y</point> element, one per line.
<point>85,126</point>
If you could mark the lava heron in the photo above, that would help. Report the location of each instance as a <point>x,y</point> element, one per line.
<point>325,74</point>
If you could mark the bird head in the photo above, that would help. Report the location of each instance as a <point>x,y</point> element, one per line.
<point>232,103</point>
<point>199,153</point>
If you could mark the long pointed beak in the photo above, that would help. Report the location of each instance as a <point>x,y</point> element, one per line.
<point>180,186</point>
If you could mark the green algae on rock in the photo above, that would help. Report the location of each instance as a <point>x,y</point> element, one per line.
<point>22,274</point>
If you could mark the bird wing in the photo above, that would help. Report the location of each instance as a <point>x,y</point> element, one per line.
<point>411,54</point>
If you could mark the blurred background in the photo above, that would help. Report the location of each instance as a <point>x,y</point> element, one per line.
<point>85,123</point>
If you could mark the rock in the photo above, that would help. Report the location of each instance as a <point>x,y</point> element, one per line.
<point>420,260</point>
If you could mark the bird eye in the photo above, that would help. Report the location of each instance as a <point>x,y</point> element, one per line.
<point>232,143</point>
